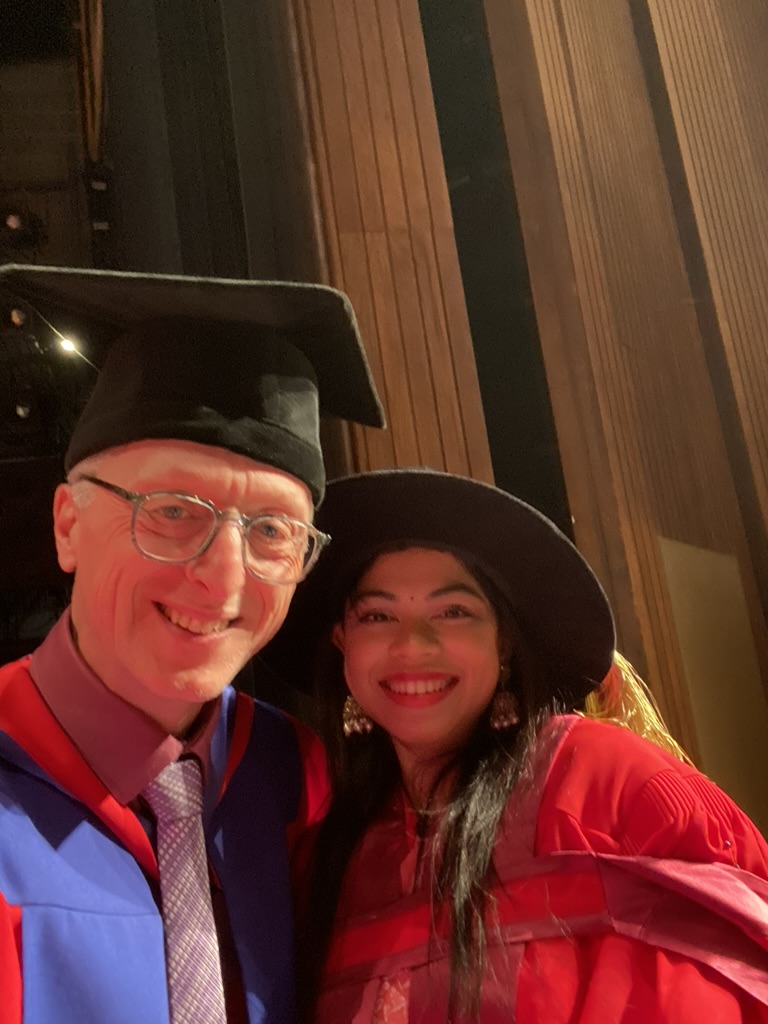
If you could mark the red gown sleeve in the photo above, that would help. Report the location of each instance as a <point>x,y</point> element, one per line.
<point>610,791</point>
<point>313,806</point>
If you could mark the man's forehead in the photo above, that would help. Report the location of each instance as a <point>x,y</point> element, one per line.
<point>188,465</point>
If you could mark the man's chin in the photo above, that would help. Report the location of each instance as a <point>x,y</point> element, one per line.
<point>196,683</point>
<point>199,688</point>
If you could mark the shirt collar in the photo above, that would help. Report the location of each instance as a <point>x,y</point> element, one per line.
<point>124,747</point>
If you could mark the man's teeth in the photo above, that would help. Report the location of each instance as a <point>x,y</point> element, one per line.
<point>415,687</point>
<point>195,625</point>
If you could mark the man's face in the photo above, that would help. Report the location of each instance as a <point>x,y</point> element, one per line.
<point>166,637</point>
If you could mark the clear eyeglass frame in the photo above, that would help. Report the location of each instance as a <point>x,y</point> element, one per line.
<point>316,540</point>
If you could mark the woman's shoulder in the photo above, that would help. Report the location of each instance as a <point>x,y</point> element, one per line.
<point>602,744</point>
<point>607,789</point>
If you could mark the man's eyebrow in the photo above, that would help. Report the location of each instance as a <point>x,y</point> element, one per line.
<point>271,503</point>
<point>151,484</point>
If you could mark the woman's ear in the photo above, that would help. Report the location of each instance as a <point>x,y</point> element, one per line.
<point>337,636</point>
<point>506,647</point>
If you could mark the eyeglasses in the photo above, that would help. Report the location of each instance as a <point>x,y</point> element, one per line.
<point>170,527</point>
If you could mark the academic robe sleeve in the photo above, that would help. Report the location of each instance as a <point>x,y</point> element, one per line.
<point>611,792</point>
<point>10,963</point>
<point>313,806</point>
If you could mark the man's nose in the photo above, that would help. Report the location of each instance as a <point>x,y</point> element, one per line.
<point>220,567</point>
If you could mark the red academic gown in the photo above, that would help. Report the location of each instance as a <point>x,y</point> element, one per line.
<point>631,890</point>
<point>81,936</point>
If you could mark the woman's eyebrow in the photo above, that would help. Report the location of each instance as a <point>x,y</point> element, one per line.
<point>449,588</point>
<point>458,588</point>
<point>363,595</point>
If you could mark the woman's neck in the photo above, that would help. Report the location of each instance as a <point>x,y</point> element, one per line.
<point>427,784</point>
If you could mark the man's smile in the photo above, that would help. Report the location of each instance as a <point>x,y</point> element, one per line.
<point>192,624</point>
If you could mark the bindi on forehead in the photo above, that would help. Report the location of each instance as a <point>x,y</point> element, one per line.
<point>411,596</point>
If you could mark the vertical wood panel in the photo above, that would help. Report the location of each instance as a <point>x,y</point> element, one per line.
<point>387,228</point>
<point>392,310</point>
<point>374,444</point>
<point>713,56</point>
<point>445,267</point>
<point>543,140</point>
<point>642,445</point>
<point>415,382</point>
<point>465,368</point>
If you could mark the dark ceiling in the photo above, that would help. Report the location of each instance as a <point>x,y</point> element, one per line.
<point>33,30</point>
<point>491,253</point>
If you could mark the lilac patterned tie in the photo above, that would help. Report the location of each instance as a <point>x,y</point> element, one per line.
<point>195,989</point>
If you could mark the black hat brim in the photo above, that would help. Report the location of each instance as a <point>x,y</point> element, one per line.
<point>318,320</point>
<point>554,596</point>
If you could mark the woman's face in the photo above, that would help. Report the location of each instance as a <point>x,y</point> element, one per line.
<point>420,642</point>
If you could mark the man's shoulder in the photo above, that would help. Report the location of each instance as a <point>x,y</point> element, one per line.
<point>12,669</point>
<point>14,676</point>
<point>295,732</point>
<point>281,752</point>
<point>271,729</point>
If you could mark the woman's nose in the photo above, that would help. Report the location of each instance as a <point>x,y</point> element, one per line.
<point>415,636</point>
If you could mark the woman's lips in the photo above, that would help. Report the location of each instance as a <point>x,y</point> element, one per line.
<point>418,689</point>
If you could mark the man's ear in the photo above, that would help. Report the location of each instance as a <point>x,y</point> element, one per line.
<point>65,527</point>
<point>337,636</point>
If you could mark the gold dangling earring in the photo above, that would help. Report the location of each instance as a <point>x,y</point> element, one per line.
<point>504,713</point>
<point>504,710</point>
<point>354,719</point>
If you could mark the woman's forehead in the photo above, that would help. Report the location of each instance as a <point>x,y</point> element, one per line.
<point>416,567</point>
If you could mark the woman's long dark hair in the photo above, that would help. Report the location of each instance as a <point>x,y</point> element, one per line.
<point>366,772</point>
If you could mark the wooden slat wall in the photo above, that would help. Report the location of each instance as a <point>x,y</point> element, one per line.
<point>387,227</point>
<point>41,156</point>
<point>638,427</point>
<point>715,65</point>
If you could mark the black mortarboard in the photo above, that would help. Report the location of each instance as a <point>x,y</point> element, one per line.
<point>243,365</point>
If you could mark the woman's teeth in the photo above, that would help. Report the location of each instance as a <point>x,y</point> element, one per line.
<point>416,687</point>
